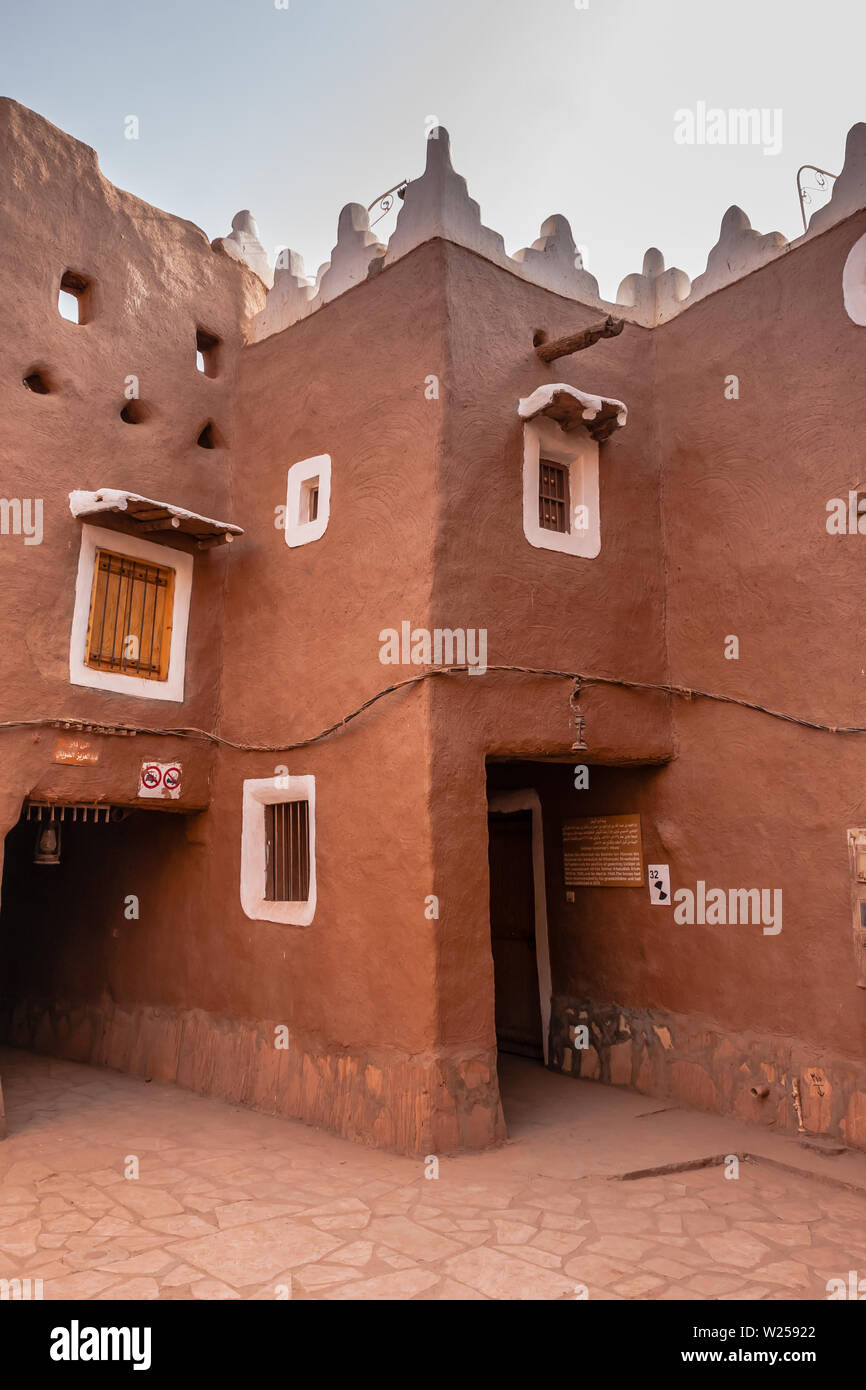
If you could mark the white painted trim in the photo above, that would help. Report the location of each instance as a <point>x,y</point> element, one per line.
<point>854,282</point>
<point>93,538</point>
<point>258,793</point>
<point>300,532</point>
<point>529,800</point>
<point>542,438</point>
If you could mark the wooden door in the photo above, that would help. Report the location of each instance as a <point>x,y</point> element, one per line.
<point>512,926</point>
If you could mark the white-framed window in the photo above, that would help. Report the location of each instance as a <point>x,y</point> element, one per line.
<point>131,614</point>
<point>278,850</point>
<point>308,500</point>
<point>560,489</point>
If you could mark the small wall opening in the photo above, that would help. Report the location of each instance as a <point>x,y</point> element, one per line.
<point>209,437</point>
<point>73,300</point>
<point>207,352</point>
<point>38,381</point>
<point>135,412</point>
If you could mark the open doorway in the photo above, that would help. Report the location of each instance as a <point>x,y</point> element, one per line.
<point>512,934</point>
<point>87,923</point>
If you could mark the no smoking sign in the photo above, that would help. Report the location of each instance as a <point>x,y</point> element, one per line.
<point>160,780</point>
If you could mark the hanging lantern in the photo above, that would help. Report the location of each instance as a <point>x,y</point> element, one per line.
<point>48,843</point>
<point>579,718</point>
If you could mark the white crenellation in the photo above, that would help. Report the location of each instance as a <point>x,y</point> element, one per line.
<point>243,244</point>
<point>849,189</point>
<point>738,251</point>
<point>356,247</point>
<point>438,205</point>
<point>555,262</point>
<point>290,299</point>
<point>654,295</point>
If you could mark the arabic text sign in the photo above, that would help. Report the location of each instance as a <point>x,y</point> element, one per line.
<point>603,852</point>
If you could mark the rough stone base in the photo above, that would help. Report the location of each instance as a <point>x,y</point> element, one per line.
<point>418,1105</point>
<point>761,1078</point>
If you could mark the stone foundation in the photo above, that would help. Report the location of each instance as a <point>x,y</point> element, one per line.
<point>419,1105</point>
<point>760,1078</point>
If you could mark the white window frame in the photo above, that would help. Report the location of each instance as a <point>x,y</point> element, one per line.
<point>95,538</point>
<point>300,532</point>
<point>578,452</point>
<point>258,793</point>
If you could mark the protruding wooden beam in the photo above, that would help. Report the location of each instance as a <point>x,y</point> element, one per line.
<point>576,342</point>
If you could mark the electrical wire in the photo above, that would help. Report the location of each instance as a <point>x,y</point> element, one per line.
<point>205,735</point>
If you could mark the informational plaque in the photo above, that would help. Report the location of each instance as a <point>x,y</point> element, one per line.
<point>603,852</point>
<point>75,750</point>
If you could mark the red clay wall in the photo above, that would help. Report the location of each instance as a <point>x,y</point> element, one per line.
<point>700,1012</point>
<point>712,517</point>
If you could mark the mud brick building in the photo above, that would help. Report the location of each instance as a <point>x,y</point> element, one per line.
<point>224,486</point>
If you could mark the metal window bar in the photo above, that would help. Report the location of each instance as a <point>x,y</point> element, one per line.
<point>554,501</point>
<point>131,599</point>
<point>287,841</point>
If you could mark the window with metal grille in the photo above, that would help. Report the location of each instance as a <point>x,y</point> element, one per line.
<point>553,496</point>
<point>287,851</point>
<point>130,617</point>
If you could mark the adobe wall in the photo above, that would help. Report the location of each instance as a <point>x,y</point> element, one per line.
<point>706,1013</point>
<point>153,280</point>
<point>540,608</point>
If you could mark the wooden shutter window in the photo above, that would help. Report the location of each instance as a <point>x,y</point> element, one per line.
<point>287,851</point>
<point>554,501</point>
<point>129,630</point>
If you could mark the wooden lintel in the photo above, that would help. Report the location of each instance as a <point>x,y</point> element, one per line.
<point>221,539</point>
<point>168,523</point>
<point>576,342</point>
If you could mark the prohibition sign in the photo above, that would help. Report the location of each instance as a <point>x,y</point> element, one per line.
<point>171,778</point>
<point>150,777</point>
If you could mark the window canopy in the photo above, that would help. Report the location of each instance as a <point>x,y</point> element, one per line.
<point>153,516</point>
<point>569,408</point>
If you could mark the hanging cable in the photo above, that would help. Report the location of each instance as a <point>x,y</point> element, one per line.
<point>687,692</point>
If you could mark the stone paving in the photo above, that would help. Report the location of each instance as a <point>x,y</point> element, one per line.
<point>230,1204</point>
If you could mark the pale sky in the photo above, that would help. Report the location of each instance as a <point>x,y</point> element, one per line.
<point>295,112</point>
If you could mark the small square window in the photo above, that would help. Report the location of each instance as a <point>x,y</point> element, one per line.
<point>554,496</point>
<point>130,617</point>
<point>308,500</point>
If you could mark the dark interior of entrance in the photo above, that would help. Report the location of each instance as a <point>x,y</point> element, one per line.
<point>79,903</point>
<point>512,931</point>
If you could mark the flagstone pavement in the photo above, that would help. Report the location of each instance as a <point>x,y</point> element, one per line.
<point>231,1204</point>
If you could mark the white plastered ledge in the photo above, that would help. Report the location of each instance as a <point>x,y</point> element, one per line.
<point>259,793</point>
<point>299,531</point>
<point>569,408</point>
<point>150,515</point>
<point>95,538</point>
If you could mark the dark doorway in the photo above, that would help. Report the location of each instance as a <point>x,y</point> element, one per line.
<point>512,928</point>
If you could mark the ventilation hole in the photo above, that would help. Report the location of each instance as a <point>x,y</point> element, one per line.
<point>135,412</point>
<point>539,337</point>
<point>38,382</point>
<point>208,439</point>
<point>73,300</point>
<point>207,352</point>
